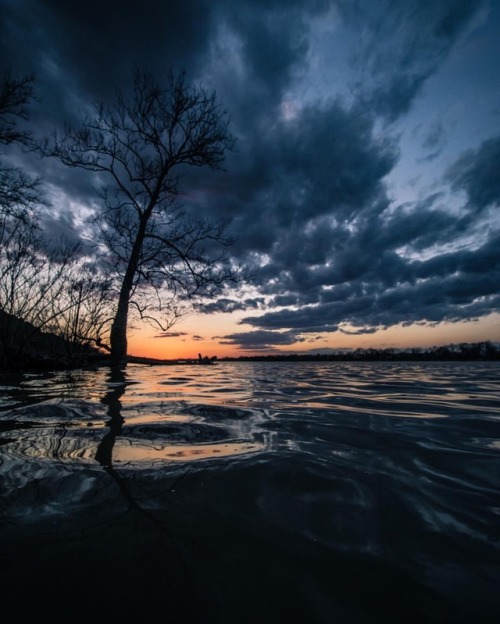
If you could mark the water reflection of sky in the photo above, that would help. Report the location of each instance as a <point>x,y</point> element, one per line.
<point>132,452</point>
<point>377,475</point>
<point>147,415</point>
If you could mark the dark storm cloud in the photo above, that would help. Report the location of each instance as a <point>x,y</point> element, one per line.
<point>365,281</point>
<point>60,230</point>
<point>261,45</point>
<point>320,169</point>
<point>260,340</point>
<point>403,45</point>
<point>484,261</point>
<point>273,41</point>
<point>231,305</point>
<point>435,136</point>
<point>306,188</point>
<point>365,272</point>
<point>477,173</point>
<point>82,48</point>
<point>455,286</point>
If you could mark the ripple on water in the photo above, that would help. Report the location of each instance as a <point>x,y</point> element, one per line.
<point>47,446</point>
<point>349,483</point>
<point>139,435</point>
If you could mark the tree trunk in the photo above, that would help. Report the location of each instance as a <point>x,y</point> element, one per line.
<point>118,337</point>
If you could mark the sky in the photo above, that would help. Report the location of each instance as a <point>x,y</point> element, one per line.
<point>364,188</point>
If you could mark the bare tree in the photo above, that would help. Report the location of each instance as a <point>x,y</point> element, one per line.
<point>15,95</point>
<point>42,289</point>
<point>140,145</point>
<point>18,192</point>
<point>33,289</point>
<point>50,290</point>
<point>81,314</point>
<point>18,196</point>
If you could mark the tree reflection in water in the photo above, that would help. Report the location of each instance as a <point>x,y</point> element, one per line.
<point>182,568</point>
<point>117,384</point>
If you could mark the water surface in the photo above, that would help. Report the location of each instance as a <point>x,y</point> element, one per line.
<point>254,492</point>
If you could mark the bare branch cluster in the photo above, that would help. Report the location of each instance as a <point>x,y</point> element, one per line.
<point>141,145</point>
<point>157,257</point>
<point>15,93</point>
<point>18,192</point>
<point>41,289</point>
<point>140,139</point>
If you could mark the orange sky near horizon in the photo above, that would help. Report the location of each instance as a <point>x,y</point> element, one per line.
<point>144,342</point>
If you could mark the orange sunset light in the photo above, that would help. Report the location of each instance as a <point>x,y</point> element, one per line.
<point>205,335</point>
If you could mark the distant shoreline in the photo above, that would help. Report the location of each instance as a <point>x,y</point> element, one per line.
<point>466,352</point>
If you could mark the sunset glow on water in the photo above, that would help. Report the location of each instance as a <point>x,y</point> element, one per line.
<point>367,488</point>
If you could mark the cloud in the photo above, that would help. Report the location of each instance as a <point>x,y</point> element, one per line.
<point>381,263</point>
<point>403,45</point>
<point>310,188</point>
<point>359,331</point>
<point>312,176</point>
<point>435,136</point>
<point>260,340</point>
<point>91,47</point>
<point>477,174</point>
<point>224,304</point>
<point>60,230</point>
<point>434,141</point>
<point>460,285</point>
<point>170,334</point>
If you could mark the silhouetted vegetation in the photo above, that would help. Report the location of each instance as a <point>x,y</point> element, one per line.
<point>148,256</point>
<point>138,146</point>
<point>453,352</point>
<point>46,287</point>
<point>34,349</point>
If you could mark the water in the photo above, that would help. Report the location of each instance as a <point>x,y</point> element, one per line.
<point>253,492</point>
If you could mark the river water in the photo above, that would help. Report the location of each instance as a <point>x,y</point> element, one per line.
<point>253,492</point>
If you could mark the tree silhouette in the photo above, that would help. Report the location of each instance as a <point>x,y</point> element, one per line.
<point>18,192</point>
<point>140,145</point>
<point>45,286</point>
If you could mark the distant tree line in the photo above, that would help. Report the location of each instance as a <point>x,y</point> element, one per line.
<point>453,352</point>
<point>144,256</point>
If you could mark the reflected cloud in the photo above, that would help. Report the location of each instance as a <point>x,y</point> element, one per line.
<point>139,453</point>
